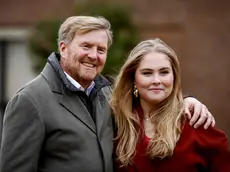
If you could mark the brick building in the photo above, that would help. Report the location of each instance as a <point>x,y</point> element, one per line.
<point>198,30</point>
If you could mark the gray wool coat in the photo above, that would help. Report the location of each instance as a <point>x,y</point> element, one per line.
<point>47,127</point>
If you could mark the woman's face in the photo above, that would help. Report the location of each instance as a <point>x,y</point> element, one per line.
<point>154,78</point>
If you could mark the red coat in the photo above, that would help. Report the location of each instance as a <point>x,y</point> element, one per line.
<point>198,150</point>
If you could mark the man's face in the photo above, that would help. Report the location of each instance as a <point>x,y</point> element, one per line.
<point>84,57</point>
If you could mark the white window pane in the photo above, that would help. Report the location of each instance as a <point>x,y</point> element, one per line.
<point>0,72</point>
<point>19,67</point>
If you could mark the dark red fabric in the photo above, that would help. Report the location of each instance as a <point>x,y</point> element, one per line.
<point>198,150</point>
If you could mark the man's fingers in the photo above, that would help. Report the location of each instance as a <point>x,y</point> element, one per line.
<point>210,121</point>
<point>213,121</point>
<point>187,111</point>
<point>196,114</point>
<point>203,116</point>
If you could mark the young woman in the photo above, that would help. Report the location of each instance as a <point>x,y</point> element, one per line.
<point>153,134</point>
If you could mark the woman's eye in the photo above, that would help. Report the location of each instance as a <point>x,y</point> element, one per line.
<point>164,72</point>
<point>147,73</point>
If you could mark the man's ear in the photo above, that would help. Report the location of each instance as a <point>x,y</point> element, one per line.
<point>62,48</point>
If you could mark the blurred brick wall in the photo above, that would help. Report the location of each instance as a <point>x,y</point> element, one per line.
<point>28,12</point>
<point>206,64</point>
<point>199,31</point>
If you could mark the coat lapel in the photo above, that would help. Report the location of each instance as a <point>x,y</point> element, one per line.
<point>73,104</point>
<point>103,112</point>
<point>69,98</point>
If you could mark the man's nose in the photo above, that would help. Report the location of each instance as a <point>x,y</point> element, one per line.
<point>93,53</point>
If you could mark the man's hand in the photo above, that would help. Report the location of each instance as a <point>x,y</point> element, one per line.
<point>194,110</point>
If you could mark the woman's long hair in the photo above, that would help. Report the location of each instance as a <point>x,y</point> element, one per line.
<point>168,117</point>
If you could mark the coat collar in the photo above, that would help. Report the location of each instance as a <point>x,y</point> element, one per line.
<point>56,78</point>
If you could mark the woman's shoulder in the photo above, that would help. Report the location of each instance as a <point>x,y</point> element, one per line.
<point>205,137</point>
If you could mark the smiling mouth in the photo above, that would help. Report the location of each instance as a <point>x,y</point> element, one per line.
<point>89,65</point>
<point>156,90</point>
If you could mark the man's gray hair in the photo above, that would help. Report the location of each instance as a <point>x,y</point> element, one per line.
<point>83,24</point>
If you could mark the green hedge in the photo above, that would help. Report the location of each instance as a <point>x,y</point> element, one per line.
<point>43,41</point>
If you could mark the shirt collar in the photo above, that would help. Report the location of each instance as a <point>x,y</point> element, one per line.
<point>78,86</point>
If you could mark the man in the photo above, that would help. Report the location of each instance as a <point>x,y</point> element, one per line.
<point>61,121</point>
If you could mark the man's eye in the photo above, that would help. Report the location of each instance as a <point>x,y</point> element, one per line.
<point>86,47</point>
<point>101,51</point>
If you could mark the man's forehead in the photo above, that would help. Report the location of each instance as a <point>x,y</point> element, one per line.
<point>99,37</point>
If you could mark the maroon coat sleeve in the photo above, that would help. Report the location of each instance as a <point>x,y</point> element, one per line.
<point>215,148</point>
<point>197,150</point>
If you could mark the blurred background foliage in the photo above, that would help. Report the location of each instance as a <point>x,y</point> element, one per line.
<point>43,40</point>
